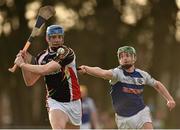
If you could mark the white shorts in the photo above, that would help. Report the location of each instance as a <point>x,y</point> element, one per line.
<point>73,109</point>
<point>134,122</point>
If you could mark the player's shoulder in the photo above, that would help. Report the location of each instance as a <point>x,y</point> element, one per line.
<point>142,72</point>
<point>68,47</point>
<point>89,100</point>
<point>41,53</point>
<point>117,69</point>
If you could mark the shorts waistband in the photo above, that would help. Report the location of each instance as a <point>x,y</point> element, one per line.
<point>65,101</point>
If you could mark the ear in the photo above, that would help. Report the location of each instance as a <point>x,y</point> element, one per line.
<point>134,58</point>
<point>119,60</point>
<point>47,39</point>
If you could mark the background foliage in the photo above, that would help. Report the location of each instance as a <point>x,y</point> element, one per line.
<point>95,29</point>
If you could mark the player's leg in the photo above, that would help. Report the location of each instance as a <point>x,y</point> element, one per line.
<point>71,126</point>
<point>122,122</point>
<point>141,120</point>
<point>74,113</point>
<point>144,120</point>
<point>148,125</point>
<point>61,113</point>
<point>58,119</point>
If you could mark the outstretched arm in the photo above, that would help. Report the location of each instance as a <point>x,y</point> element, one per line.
<point>164,92</point>
<point>96,71</point>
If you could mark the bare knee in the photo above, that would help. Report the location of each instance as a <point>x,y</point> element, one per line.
<point>58,119</point>
<point>57,125</point>
<point>71,126</point>
<point>147,125</point>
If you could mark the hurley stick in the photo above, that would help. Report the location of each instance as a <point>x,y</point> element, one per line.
<point>44,14</point>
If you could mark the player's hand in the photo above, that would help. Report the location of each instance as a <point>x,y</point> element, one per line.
<point>171,104</point>
<point>81,69</point>
<point>27,57</point>
<point>19,60</point>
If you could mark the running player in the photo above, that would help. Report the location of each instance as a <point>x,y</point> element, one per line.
<point>63,91</point>
<point>127,84</point>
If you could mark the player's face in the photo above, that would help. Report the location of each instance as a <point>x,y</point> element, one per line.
<point>126,58</point>
<point>83,92</point>
<point>56,40</point>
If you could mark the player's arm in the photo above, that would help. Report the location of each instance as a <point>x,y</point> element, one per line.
<point>164,92</point>
<point>96,71</point>
<point>93,114</point>
<point>29,77</point>
<point>42,70</point>
<point>52,66</point>
<point>94,120</point>
<point>31,73</point>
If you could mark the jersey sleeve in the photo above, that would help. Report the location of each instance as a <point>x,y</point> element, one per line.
<point>149,80</point>
<point>115,73</point>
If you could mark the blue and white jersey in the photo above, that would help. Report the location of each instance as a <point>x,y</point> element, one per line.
<point>126,90</point>
<point>88,107</point>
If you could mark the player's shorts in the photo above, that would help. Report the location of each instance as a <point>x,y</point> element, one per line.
<point>134,122</point>
<point>73,109</point>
